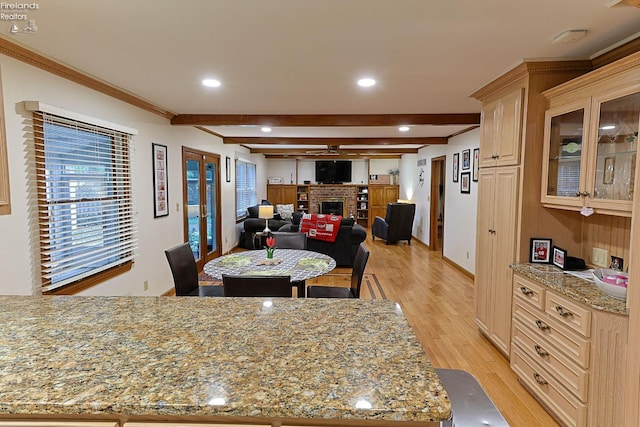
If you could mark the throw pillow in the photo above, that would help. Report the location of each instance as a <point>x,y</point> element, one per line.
<point>285,211</point>
<point>253,211</point>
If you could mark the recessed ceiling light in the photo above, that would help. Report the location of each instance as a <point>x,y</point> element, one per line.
<point>266,129</point>
<point>403,128</point>
<point>211,82</point>
<point>366,82</point>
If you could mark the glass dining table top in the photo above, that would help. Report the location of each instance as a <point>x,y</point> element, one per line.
<point>298,263</point>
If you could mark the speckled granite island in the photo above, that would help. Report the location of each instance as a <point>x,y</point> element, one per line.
<point>227,360</point>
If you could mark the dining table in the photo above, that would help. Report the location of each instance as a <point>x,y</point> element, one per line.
<point>299,264</point>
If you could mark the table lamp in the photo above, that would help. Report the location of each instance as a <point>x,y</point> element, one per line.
<point>265,212</point>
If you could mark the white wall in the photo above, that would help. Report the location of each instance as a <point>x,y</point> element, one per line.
<point>285,168</point>
<point>460,210</point>
<point>19,252</point>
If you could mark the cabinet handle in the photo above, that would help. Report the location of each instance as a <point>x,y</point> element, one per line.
<point>494,156</point>
<point>492,231</point>
<point>541,351</point>
<point>539,379</point>
<point>526,290</point>
<point>563,312</point>
<point>541,325</point>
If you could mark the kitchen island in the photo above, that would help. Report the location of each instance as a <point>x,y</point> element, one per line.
<point>217,360</point>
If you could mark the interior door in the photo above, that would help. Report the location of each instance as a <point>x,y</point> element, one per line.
<point>201,203</point>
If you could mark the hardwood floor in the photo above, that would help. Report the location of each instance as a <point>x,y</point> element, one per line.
<point>437,299</point>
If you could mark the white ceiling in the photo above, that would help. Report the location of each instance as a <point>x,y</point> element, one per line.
<point>303,57</point>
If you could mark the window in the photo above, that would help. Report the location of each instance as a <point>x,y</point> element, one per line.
<point>246,193</point>
<point>85,201</point>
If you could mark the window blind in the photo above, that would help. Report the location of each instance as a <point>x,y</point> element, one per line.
<point>246,193</point>
<point>85,198</point>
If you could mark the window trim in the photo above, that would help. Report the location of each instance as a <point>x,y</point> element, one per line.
<point>243,217</point>
<point>5,195</point>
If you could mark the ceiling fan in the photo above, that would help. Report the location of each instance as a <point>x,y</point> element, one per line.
<point>330,150</point>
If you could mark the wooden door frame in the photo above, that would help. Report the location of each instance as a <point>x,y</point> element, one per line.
<point>438,166</point>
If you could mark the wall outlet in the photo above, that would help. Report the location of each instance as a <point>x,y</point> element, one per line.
<point>600,257</point>
<point>146,285</point>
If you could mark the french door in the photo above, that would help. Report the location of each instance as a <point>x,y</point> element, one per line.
<point>201,204</point>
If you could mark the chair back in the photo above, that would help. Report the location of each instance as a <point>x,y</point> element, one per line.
<point>290,240</point>
<point>257,286</point>
<point>183,268</point>
<point>400,219</point>
<point>359,263</point>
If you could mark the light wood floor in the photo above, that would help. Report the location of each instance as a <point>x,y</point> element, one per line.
<point>438,302</point>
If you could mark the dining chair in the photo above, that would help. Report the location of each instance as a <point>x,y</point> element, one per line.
<point>257,286</point>
<point>292,240</point>
<point>360,262</point>
<point>185,273</point>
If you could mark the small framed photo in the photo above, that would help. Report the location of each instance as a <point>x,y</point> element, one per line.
<point>465,182</point>
<point>559,257</point>
<point>456,162</point>
<point>476,164</point>
<point>466,159</point>
<point>540,250</point>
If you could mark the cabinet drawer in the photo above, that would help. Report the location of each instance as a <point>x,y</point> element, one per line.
<point>568,313</point>
<point>567,408</point>
<point>529,291</point>
<point>575,347</point>
<point>566,372</point>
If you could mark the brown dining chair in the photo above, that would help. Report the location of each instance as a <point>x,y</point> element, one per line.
<point>359,263</point>
<point>185,273</point>
<point>292,240</point>
<point>257,286</point>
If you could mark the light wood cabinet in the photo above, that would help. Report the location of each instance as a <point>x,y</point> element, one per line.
<point>590,142</point>
<point>496,229</point>
<point>282,194</point>
<point>379,197</point>
<point>501,123</point>
<point>362,206</point>
<point>302,194</point>
<point>570,356</point>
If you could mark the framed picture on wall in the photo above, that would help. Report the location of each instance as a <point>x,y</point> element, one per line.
<point>476,164</point>
<point>456,162</point>
<point>160,193</point>
<point>466,159</point>
<point>465,182</point>
<point>228,168</point>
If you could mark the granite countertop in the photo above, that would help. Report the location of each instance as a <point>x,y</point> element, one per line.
<point>574,287</point>
<point>232,357</point>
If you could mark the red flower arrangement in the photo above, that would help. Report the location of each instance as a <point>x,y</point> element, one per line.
<point>271,246</point>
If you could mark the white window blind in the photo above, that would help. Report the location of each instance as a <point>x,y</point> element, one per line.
<point>85,198</point>
<point>568,177</point>
<point>246,193</point>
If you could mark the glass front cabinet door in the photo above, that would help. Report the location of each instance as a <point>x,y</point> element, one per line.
<point>590,153</point>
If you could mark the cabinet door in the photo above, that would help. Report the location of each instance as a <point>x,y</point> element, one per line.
<point>565,155</point>
<point>488,125</point>
<point>484,247</point>
<point>615,120</point>
<point>504,249</point>
<point>509,129</point>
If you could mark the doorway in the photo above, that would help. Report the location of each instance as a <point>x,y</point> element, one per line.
<point>201,204</point>
<point>436,216</point>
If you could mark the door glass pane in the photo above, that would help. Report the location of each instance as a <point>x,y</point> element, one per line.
<point>193,206</point>
<point>617,141</point>
<point>565,151</point>
<point>211,207</point>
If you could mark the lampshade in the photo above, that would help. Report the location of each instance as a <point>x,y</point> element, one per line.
<point>265,211</point>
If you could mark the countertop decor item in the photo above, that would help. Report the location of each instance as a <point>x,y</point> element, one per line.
<point>612,282</point>
<point>271,246</point>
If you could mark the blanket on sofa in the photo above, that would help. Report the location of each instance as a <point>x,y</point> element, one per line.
<point>320,226</point>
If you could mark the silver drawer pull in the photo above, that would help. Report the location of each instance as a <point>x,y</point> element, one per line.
<point>563,311</point>
<point>541,352</point>
<point>539,379</point>
<point>541,325</point>
<point>526,290</point>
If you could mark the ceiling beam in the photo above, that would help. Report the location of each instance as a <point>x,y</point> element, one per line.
<point>335,141</point>
<point>332,156</point>
<point>313,120</point>
<point>346,151</point>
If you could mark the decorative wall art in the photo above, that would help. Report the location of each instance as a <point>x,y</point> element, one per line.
<point>476,163</point>
<point>456,161</point>
<point>466,159</point>
<point>540,250</point>
<point>228,168</point>
<point>160,191</point>
<point>465,182</point>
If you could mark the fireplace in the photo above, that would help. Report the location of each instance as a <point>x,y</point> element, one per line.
<point>332,206</point>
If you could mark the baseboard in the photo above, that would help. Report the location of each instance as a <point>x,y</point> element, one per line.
<point>420,242</point>
<point>169,293</point>
<point>459,268</point>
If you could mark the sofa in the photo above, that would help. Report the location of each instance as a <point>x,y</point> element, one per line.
<point>343,250</point>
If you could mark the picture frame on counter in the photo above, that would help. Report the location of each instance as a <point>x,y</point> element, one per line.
<point>559,257</point>
<point>540,250</point>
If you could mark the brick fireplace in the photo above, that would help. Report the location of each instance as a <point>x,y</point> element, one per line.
<point>333,194</point>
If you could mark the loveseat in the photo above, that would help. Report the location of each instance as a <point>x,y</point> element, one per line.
<point>343,250</point>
